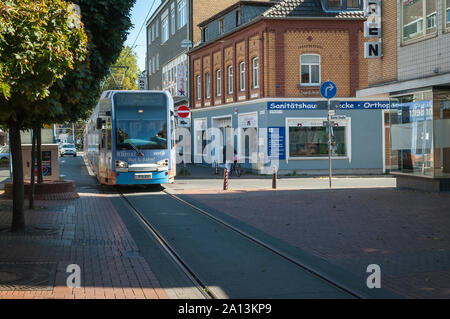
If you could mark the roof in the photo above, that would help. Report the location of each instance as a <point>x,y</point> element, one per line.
<point>307,8</point>
<point>234,6</point>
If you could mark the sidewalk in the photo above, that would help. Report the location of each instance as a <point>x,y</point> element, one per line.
<point>207,171</point>
<point>87,232</point>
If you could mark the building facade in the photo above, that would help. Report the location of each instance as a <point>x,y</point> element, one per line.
<point>170,31</point>
<point>256,78</point>
<point>414,73</point>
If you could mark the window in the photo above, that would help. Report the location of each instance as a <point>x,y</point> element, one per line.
<point>165,29</point>
<point>447,13</point>
<point>199,88</point>
<point>150,35</point>
<point>218,83</point>
<point>343,4</point>
<point>255,63</point>
<point>205,34</point>
<point>182,13</point>
<point>242,76</point>
<point>308,138</point>
<point>238,17</point>
<point>207,85</point>
<point>334,4</point>
<point>156,29</point>
<point>157,62</point>
<point>310,69</point>
<point>418,19</point>
<point>230,80</point>
<point>172,20</point>
<point>352,4</point>
<point>153,33</point>
<point>221,29</point>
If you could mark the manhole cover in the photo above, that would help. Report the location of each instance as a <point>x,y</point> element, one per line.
<point>26,277</point>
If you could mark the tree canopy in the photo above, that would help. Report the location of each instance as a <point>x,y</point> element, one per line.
<point>39,44</point>
<point>127,59</point>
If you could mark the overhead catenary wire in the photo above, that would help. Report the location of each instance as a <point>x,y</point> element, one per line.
<point>142,26</point>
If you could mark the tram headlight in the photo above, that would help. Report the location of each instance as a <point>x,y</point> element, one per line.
<point>163,163</point>
<point>121,164</point>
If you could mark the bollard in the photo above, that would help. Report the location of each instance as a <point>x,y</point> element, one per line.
<point>274,178</point>
<point>225,179</point>
<point>217,168</point>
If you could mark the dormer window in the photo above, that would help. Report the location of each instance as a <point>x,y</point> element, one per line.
<point>338,5</point>
<point>238,17</point>
<point>205,34</point>
<point>334,4</point>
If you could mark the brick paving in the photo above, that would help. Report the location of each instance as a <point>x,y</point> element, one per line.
<point>88,232</point>
<point>406,232</point>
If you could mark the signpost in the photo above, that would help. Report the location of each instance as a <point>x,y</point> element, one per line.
<point>183,111</point>
<point>329,90</point>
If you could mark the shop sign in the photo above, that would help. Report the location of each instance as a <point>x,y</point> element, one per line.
<point>246,121</point>
<point>276,143</point>
<point>343,105</point>
<point>372,29</point>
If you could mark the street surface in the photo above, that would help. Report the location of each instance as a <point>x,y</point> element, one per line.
<point>299,241</point>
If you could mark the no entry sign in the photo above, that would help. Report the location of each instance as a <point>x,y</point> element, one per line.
<point>183,111</point>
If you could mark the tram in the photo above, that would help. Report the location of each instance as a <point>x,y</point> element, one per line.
<point>129,138</point>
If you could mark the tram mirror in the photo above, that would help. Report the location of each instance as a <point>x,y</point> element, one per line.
<point>99,123</point>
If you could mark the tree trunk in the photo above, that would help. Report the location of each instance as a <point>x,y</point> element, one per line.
<point>33,166</point>
<point>18,218</point>
<point>39,155</point>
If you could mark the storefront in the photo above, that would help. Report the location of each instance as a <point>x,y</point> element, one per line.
<point>420,135</point>
<point>290,134</point>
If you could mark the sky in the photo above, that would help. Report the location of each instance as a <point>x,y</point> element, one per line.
<point>138,18</point>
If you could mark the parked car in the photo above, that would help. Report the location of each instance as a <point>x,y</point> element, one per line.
<point>4,152</point>
<point>68,149</point>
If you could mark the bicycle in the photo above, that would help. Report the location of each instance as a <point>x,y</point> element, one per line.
<point>236,169</point>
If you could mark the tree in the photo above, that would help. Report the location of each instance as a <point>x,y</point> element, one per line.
<point>128,59</point>
<point>39,44</point>
<point>73,97</point>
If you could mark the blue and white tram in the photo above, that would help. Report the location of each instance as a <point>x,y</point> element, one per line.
<point>129,138</point>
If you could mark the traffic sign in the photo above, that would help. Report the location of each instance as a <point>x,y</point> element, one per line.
<point>328,90</point>
<point>183,111</point>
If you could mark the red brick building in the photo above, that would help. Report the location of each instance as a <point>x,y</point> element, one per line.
<point>286,51</point>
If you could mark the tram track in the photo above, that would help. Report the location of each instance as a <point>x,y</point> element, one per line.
<point>195,278</point>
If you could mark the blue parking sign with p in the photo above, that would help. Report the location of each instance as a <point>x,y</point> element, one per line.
<point>328,90</point>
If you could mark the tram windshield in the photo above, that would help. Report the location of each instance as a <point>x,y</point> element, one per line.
<point>141,121</point>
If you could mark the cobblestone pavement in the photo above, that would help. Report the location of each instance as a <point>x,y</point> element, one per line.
<point>87,232</point>
<point>406,232</point>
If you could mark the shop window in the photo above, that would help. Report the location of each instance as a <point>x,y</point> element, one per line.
<point>418,19</point>
<point>312,141</point>
<point>310,69</point>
